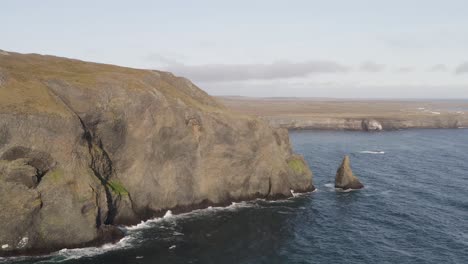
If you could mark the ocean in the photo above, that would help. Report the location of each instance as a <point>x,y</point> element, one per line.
<point>413,209</point>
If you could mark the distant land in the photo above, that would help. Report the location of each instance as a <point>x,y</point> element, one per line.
<point>353,114</point>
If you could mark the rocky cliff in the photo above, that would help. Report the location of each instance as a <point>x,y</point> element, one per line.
<point>369,123</point>
<point>86,146</point>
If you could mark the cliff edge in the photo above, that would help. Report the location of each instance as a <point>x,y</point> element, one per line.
<point>87,146</point>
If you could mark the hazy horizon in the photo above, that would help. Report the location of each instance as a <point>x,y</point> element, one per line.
<point>314,49</point>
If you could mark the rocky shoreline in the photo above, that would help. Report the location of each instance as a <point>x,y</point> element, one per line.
<point>86,147</point>
<point>366,124</point>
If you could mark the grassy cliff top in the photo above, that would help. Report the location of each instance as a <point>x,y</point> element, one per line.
<point>25,81</point>
<point>307,108</point>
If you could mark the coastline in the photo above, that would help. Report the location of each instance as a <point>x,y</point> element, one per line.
<point>176,212</point>
<point>100,146</point>
<point>353,115</point>
<point>355,124</point>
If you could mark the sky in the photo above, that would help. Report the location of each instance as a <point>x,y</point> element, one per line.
<point>342,49</point>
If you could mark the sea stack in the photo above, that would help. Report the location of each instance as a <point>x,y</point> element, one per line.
<point>345,178</point>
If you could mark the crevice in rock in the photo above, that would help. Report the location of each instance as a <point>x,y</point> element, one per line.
<point>100,164</point>
<point>41,204</point>
<point>269,188</point>
<point>96,202</point>
<point>39,175</point>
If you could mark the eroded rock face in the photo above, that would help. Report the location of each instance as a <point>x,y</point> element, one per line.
<point>371,125</point>
<point>85,146</point>
<point>345,178</point>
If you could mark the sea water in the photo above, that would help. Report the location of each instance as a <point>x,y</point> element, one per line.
<point>413,209</point>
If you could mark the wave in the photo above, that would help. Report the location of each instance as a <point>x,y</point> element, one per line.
<point>371,152</point>
<point>294,194</point>
<point>331,187</point>
<point>234,206</point>
<point>169,216</point>
<point>72,254</point>
<point>343,190</point>
<point>131,238</point>
<point>77,253</point>
<point>144,224</point>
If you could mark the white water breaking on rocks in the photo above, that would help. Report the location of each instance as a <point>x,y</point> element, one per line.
<point>371,152</point>
<point>133,238</point>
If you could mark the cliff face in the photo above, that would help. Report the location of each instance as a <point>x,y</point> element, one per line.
<point>86,146</point>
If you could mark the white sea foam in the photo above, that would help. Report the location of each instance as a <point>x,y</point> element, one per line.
<point>343,190</point>
<point>149,223</point>
<point>77,253</point>
<point>131,238</point>
<point>330,186</point>
<point>371,152</point>
<point>144,224</point>
<point>294,194</point>
<point>168,214</point>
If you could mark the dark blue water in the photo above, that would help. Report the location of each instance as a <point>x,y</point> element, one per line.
<point>414,209</point>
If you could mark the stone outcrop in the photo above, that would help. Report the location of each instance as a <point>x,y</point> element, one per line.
<point>345,179</point>
<point>85,147</point>
<point>371,125</point>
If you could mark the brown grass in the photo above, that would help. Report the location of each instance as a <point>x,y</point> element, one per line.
<point>312,108</point>
<point>25,89</point>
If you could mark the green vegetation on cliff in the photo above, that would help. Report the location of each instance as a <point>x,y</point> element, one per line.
<point>117,188</point>
<point>297,165</point>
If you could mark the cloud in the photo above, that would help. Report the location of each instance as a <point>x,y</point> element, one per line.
<point>462,68</point>
<point>404,70</point>
<point>370,66</point>
<point>336,89</point>
<point>167,59</point>
<point>438,68</point>
<point>240,72</point>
